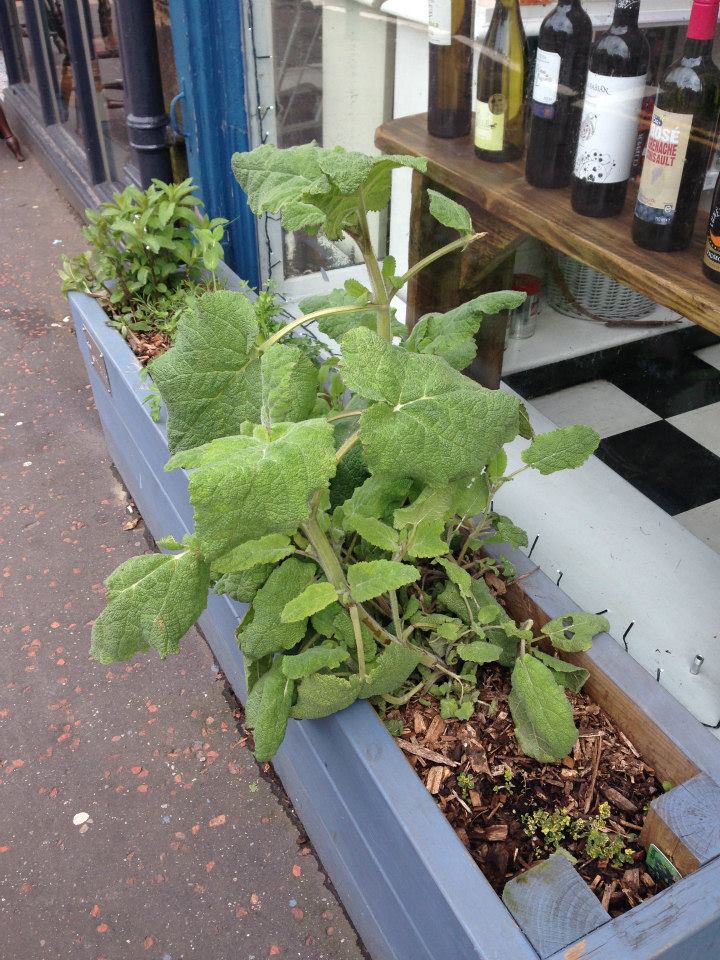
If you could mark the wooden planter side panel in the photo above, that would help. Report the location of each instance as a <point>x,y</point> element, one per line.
<point>670,738</point>
<point>409,885</point>
<point>680,923</point>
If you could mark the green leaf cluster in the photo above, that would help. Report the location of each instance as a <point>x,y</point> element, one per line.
<point>347,501</point>
<point>150,253</point>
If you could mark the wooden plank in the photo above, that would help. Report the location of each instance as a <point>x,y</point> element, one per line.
<point>675,280</point>
<point>553,905</point>
<point>680,923</point>
<point>685,823</point>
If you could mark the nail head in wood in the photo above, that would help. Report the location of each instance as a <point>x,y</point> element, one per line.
<point>553,905</point>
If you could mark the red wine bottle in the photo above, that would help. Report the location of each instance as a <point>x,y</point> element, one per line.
<point>711,258</point>
<point>682,132</point>
<point>450,93</point>
<point>608,130</point>
<point>560,70</point>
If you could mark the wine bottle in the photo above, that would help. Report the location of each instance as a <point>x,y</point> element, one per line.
<point>711,257</point>
<point>450,95</point>
<point>608,129</point>
<point>502,77</point>
<point>682,131</point>
<point>560,70</point>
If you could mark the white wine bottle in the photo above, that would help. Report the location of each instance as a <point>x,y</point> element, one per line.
<point>501,84</point>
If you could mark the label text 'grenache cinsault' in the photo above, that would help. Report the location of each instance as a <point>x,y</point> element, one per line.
<point>680,141</point>
<point>450,90</point>
<point>560,71</point>
<point>608,129</point>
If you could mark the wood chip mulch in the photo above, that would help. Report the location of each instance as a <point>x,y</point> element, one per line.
<point>604,767</point>
<point>147,346</point>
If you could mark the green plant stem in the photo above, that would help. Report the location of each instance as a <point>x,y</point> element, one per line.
<point>357,630</point>
<point>377,280</point>
<point>308,318</point>
<point>458,244</point>
<point>348,445</point>
<point>397,620</point>
<point>475,530</point>
<point>344,414</point>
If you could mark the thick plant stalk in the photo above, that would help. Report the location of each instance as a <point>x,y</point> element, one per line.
<point>377,280</point>
<point>308,318</point>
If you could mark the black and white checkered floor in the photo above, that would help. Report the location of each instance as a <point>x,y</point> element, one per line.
<point>656,405</point>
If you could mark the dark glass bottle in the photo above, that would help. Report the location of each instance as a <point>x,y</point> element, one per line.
<point>501,83</point>
<point>608,130</point>
<point>450,94</point>
<point>556,103</point>
<point>682,131</point>
<point>711,258</point>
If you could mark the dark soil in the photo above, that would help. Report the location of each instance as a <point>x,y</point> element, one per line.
<point>604,767</point>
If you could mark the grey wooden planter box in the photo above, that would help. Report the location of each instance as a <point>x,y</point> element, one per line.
<point>410,887</point>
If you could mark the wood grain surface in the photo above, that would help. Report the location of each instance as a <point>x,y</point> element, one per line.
<point>674,280</point>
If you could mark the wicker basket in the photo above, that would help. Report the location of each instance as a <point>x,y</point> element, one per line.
<point>604,298</point>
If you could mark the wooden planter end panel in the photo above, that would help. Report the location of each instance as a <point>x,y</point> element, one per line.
<point>685,824</point>
<point>553,905</point>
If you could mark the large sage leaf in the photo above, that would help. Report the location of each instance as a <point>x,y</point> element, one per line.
<point>575,631</point>
<point>371,578</point>
<point>561,449</point>
<point>210,378</point>
<point>266,632</point>
<point>542,713</point>
<point>288,384</point>
<point>391,668</point>
<point>321,694</point>
<point>268,710</point>
<point>430,422</point>
<point>245,487</point>
<point>152,601</point>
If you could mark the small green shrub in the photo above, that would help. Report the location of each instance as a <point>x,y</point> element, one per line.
<point>149,251</point>
<point>554,828</point>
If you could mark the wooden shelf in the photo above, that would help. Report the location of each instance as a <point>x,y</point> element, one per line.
<point>674,280</point>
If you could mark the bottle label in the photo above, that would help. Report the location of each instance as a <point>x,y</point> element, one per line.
<point>608,129</point>
<point>712,246</point>
<point>663,168</point>
<point>490,123</point>
<point>545,88</point>
<point>440,22</point>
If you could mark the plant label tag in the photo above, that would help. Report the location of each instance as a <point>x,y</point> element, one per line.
<point>660,867</point>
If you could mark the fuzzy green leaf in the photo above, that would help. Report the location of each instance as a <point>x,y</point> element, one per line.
<point>324,657</point>
<point>458,575</point>
<point>270,702</point>
<point>266,632</point>
<point>245,487</point>
<point>336,327</point>
<point>451,335</point>
<point>542,713</point>
<point>575,631</point>
<point>423,522</point>
<point>449,213</point>
<point>152,601</point>
<point>351,470</point>
<point>377,496</point>
<point>374,531</point>
<point>268,549</point>
<point>561,449</point>
<point>243,586</point>
<point>507,532</point>
<point>289,385</point>
<point>479,651</point>
<point>210,377</point>
<point>370,579</point>
<point>470,496</point>
<point>430,423</point>
<point>321,694</point>
<point>449,628</point>
<point>390,670</point>
<point>566,674</point>
<point>314,597</point>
